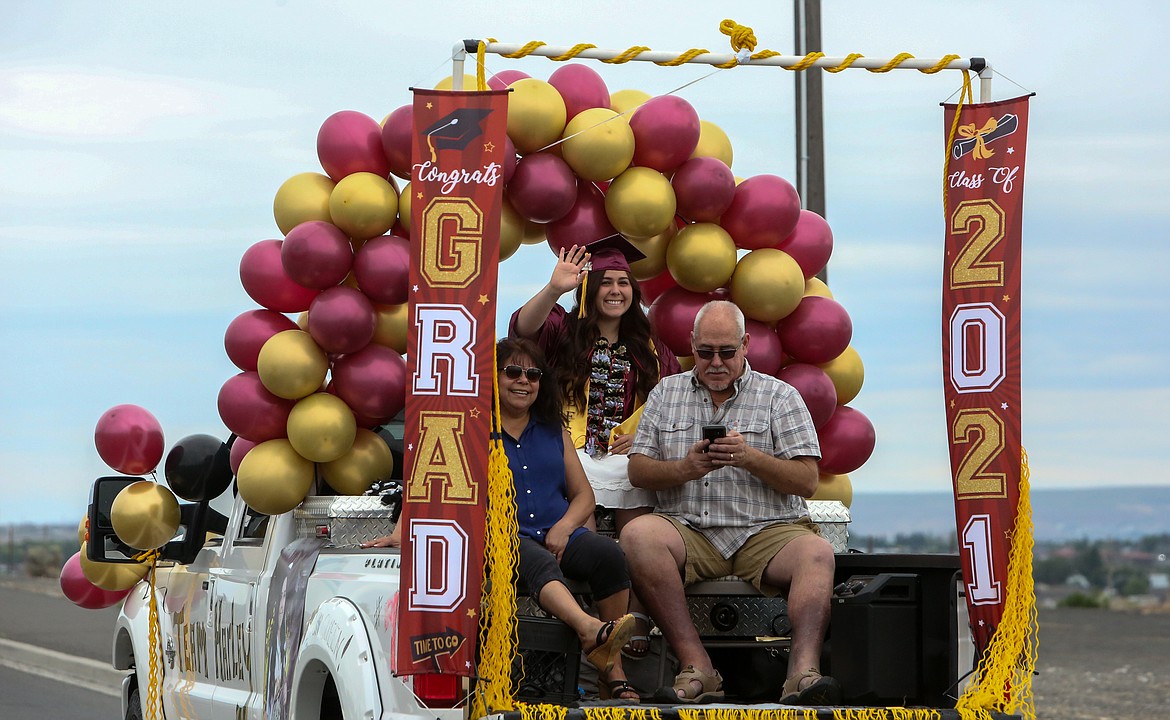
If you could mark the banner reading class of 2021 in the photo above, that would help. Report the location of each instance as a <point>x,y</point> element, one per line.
<point>456,197</point>
<point>981,344</point>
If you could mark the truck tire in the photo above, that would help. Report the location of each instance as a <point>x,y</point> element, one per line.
<point>134,706</point>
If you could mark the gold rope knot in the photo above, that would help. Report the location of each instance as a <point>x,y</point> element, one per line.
<point>742,36</point>
<point>969,131</point>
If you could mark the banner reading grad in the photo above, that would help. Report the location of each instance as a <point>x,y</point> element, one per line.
<point>981,344</point>
<point>456,196</point>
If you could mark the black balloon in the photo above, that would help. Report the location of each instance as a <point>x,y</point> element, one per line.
<point>198,468</point>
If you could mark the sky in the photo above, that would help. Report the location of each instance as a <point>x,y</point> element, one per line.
<point>142,143</point>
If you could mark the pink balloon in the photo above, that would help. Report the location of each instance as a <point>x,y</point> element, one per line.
<point>655,286</point>
<point>264,279</point>
<point>763,212</point>
<point>504,78</point>
<point>763,351</point>
<point>673,318</point>
<point>847,440</point>
<point>814,386</point>
<point>397,139</point>
<point>817,331</point>
<point>581,88</point>
<point>129,439</point>
<point>250,411</point>
<point>810,244</point>
<point>316,254</point>
<point>703,189</point>
<point>543,187</point>
<point>350,142</point>
<point>666,132</point>
<point>249,331</point>
<point>342,320</point>
<point>372,382</point>
<point>585,223</point>
<point>82,592</point>
<point>382,269</point>
<point>240,448</point>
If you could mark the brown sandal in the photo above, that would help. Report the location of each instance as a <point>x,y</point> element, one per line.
<point>711,687</point>
<point>610,639</point>
<point>823,690</point>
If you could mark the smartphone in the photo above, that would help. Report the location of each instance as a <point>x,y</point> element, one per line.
<point>711,432</point>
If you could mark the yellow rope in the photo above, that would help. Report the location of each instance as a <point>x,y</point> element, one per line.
<point>153,709</point>
<point>501,552</point>
<point>965,97</point>
<point>1003,680</point>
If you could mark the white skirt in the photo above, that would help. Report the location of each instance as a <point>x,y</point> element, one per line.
<point>611,482</point>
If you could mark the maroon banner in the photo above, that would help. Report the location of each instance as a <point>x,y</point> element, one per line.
<point>456,194</point>
<point>981,344</point>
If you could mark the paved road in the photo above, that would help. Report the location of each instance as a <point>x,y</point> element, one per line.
<point>38,614</point>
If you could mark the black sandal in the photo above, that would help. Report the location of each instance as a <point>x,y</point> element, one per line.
<point>614,689</point>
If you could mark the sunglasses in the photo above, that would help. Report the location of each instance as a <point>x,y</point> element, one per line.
<point>513,372</point>
<point>724,353</point>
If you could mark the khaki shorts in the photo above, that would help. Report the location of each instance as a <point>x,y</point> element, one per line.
<point>704,562</point>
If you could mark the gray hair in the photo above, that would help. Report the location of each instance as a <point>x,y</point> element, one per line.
<point>721,306</point>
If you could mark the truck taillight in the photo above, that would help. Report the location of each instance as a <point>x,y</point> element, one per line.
<point>437,690</point>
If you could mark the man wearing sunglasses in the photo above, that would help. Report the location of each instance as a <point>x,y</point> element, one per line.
<point>730,505</point>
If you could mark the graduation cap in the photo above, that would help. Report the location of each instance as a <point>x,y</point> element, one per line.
<point>614,252</point>
<point>456,129</point>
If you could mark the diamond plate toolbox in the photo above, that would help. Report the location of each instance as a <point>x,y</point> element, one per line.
<point>833,518</point>
<point>343,519</point>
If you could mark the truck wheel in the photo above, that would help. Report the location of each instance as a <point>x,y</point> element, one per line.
<point>134,706</point>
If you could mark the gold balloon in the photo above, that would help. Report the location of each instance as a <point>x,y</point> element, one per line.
<point>767,285</point>
<point>470,82</point>
<point>369,460</point>
<point>701,257</point>
<point>363,205</point>
<point>847,373</point>
<point>834,487</point>
<point>686,362</point>
<point>291,365</point>
<point>815,286</point>
<point>713,142</point>
<point>145,515</point>
<point>83,530</point>
<point>321,427</point>
<point>303,320</point>
<point>390,329</point>
<point>536,115</point>
<point>599,144</point>
<point>273,478</point>
<point>627,101</point>
<point>533,233</point>
<point>111,576</point>
<point>301,198</point>
<point>640,202</point>
<point>404,207</point>
<point>654,248</point>
<point>511,230</point>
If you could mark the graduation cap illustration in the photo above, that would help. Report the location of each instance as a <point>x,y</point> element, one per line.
<point>456,129</point>
<point>613,252</point>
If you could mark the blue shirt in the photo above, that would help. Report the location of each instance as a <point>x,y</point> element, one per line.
<point>537,462</point>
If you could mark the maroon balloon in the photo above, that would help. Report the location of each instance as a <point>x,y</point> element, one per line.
<point>397,137</point>
<point>763,212</point>
<point>673,317</point>
<point>814,386</point>
<point>382,269</point>
<point>585,223</point>
<point>543,187</point>
<point>250,411</point>
<point>810,244</point>
<point>240,448</point>
<point>655,286</point>
<point>264,279</point>
<point>847,441</point>
<point>77,587</point>
<point>580,87</point>
<point>249,331</point>
<point>666,132</point>
<point>703,189</point>
<point>510,160</point>
<point>350,142</point>
<point>817,331</point>
<point>316,254</point>
<point>342,320</point>
<point>763,351</point>
<point>504,78</point>
<point>129,439</point>
<point>372,382</point>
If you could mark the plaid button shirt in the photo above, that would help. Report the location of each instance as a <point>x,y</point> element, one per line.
<point>729,504</point>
